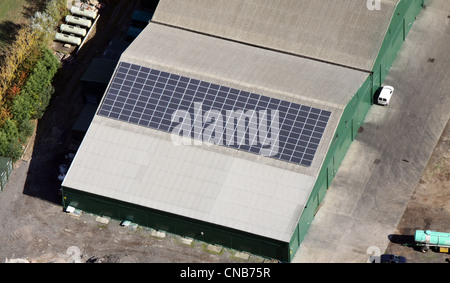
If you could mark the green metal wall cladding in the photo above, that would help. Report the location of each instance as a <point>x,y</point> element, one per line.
<point>355,112</point>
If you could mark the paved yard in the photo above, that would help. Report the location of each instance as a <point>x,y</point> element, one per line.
<point>384,165</point>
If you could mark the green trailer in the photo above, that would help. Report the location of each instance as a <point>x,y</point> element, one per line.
<point>432,239</point>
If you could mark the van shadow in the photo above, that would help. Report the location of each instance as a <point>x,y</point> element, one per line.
<point>405,240</point>
<point>401,239</point>
<point>376,96</point>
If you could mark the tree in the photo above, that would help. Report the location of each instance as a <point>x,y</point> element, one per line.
<point>26,75</point>
<point>5,114</point>
<point>37,91</point>
<point>9,141</point>
<point>25,42</point>
<point>43,24</point>
<point>30,39</point>
<point>22,108</point>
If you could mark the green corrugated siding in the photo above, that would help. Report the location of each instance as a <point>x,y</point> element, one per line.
<point>351,120</point>
<point>3,180</point>
<point>176,224</point>
<point>355,112</point>
<point>6,167</point>
<point>401,23</point>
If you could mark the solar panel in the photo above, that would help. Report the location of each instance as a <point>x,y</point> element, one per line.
<point>216,114</point>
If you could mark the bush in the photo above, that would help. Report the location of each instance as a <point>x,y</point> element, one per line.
<point>25,79</point>
<point>31,103</point>
<point>43,102</point>
<point>28,44</point>
<point>26,129</point>
<point>43,24</point>
<point>21,108</point>
<point>9,141</point>
<point>37,91</point>
<point>20,50</point>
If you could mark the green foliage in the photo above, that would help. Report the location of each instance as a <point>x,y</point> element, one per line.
<point>29,104</point>
<point>53,10</point>
<point>43,102</point>
<point>45,22</point>
<point>9,141</point>
<point>37,91</point>
<point>37,69</point>
<point>22,107</point>
<point>44,25</point>
<point>57,9</point>
<point>25,130</point>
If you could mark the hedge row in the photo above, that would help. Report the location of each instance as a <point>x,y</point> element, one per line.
<point>26,77</point>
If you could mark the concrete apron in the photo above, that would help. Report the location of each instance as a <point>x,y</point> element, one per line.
<point>384,164</point>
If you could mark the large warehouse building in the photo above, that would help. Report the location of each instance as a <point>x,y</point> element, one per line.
<point>225,121</point>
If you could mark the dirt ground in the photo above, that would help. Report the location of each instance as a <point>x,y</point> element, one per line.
<point>34,228</point>
<point>429,207</point>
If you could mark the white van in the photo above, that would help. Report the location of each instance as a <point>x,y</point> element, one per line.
<point>385,95</point>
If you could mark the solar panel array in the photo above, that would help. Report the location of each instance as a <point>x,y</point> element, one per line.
<point>151,98</point>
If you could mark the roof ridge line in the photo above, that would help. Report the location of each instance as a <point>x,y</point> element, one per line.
<point>264,47</point>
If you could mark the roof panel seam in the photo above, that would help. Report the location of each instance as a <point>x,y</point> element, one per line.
<point>264,47</point>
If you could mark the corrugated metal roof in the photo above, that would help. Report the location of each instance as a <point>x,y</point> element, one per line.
<point>244,67</point>
<point>132,164</point>
<point>340,31</point>
<point>265,72</point>
<point>215,184</point>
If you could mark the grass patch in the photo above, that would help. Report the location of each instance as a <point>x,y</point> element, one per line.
<point>13,14</point>
<point>12,10</point>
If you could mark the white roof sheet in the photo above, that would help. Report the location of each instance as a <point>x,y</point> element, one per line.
<point>132,164</point>
<point>244,67</point>
<point>340,31</point>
